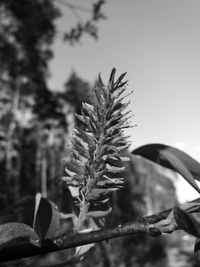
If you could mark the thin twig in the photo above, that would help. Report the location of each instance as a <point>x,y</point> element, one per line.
<point>73,7</point>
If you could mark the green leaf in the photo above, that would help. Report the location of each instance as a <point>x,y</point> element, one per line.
<point>172,158</point>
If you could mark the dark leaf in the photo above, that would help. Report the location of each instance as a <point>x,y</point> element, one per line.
<point>105,94</point>
<point>80,149</point>
<point>122,84</point>
<point>80,141</point>
<point>81,118</point>
<point>197,245</point>
<point>118,93</point>
<point>100,82</point>
<point>97,193</point>
<point>46,220</point>
<point>119,80</point>
<point>92,117</point>
<point>186,222</point>
<point>86,137</point>
<point>99,98</point>
<point>13,234</point>
<point>172,158</point>
<point>54,227</point>
<point>112,77</point>
<point>75,167</point>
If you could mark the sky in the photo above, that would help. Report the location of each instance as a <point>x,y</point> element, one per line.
<point>157,42</point>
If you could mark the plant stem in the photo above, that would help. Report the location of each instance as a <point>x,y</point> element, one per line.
<point>84,206</point>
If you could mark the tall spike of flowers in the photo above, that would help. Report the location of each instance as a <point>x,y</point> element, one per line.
<point>96,164</point>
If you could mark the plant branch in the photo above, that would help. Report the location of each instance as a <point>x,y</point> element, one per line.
<point>26,249</point>
<point>166,221</point>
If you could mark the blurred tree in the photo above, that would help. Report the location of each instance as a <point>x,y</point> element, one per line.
<point>27,30</point>
<point>35,122</point>
<point>77,91</point>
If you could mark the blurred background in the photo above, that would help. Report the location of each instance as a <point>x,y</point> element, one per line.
<point>51,52</point>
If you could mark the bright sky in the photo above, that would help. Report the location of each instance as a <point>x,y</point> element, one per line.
<point>157,42</point>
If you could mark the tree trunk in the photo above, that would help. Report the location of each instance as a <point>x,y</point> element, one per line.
<point>11,155</point>
<point>44,174</point>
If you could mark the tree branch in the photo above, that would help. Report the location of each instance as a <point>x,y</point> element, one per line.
<point>26,249</point>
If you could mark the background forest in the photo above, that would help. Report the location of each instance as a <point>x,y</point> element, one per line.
<point>35,132</point>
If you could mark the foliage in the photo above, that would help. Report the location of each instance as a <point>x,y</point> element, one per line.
<point>77,91</point>
<point>88,27</point>
<point>27,107</point>
<point>95,169</point>
<point>27,30</point>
